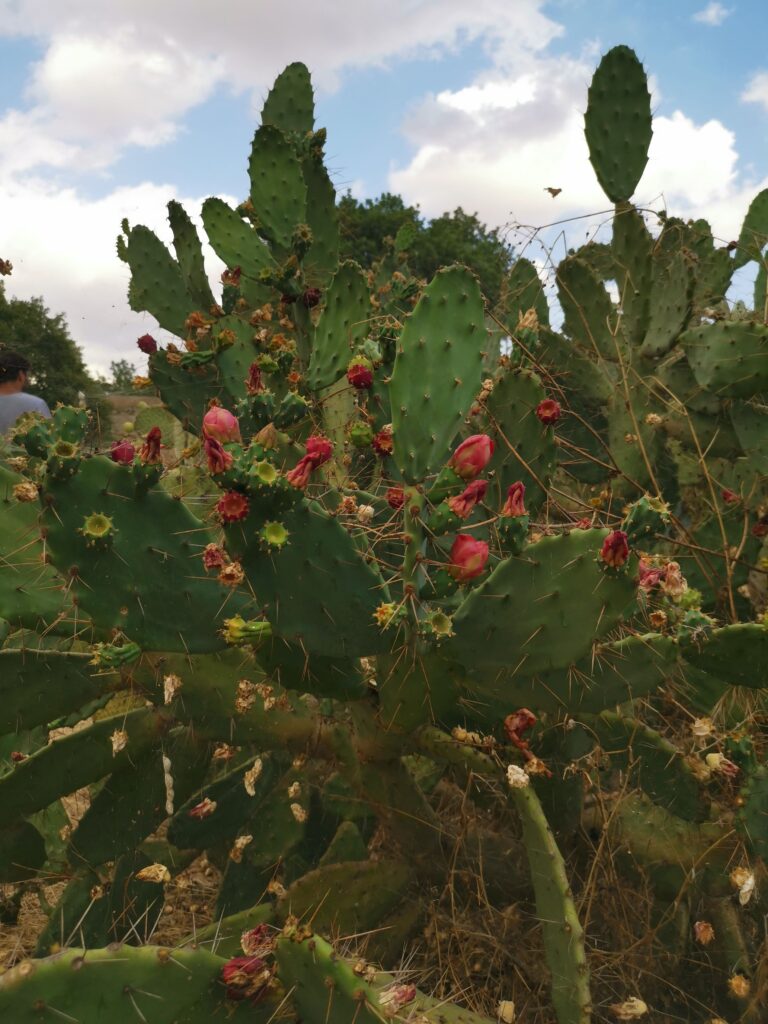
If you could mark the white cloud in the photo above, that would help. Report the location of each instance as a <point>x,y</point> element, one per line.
<point>62,247</point>
<point>713,14</point>
<point>757,89</point>
<point>496,145</point>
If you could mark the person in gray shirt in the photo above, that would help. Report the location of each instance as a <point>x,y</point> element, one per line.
<point>14,401</point>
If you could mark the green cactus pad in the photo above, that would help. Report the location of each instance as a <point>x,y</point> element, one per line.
<point>589,313</point>
<point>617,123</point>
<point>524,291</point>
<point>150,584</point>
<point>633,248</point>
<point>278,191</point>
<point>31,591</point>
<point>22,852</point>
<point>658,766</point>
<point>563,933</point>
<point>234,240</point>
<point>541,611</point>
<point>525,450</point>
<point>343,325</point>
<point>348,897</point>
<point>75,761</point>
<point>157,283</point>
<point>234,806</point>
<point>297,587</point>
<point>737,654</point>
<point>729,358</point>
<point>176,986</point>
<point>672,288</point>
<point>752,817</point>
<point>290,104</point>
<point>132,802</point>
<point>346,846</point>
<point>37,687</point>
<point>754,231</point>
<point>189,255</point>
<point>437,372</point>
<point>323,221</point>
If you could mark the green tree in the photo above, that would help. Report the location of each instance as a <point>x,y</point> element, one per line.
<point>58,371</point>
<point>456,237</point>
<point>123,373</point>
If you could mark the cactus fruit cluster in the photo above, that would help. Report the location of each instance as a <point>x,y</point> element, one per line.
<point>360,555</point>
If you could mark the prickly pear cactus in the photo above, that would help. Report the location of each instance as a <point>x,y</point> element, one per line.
<point>410,562</point>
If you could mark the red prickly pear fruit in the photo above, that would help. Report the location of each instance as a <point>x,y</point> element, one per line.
<point>232,507</point>
<point>221,425</point>
<point>515,503</point>
<point>615,549</point>
<point>463,504</point>
<point>218,458</point>
<point>468,557</point>
<point>395,497</point>
<point>548,411</point>
<point>123,452</point>
<point>472,456</point>
<point>147,344</point>
<point>360,373</point>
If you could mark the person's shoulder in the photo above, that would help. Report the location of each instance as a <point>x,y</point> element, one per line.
<point>36,404</point>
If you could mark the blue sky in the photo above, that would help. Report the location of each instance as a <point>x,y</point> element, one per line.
<point>111,109</point>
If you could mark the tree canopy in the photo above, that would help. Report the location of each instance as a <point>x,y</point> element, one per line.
<point>58,372</point>
<point>457,237</point>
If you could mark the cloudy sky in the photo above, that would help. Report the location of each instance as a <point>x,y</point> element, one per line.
<point>109,109</point>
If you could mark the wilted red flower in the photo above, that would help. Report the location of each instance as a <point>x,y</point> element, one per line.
<point>319,449</point>
<point>301,472</point>
<point>472,456</point>
<point>219,459</point>
<point>17,757</point>
<point>231,277</point>
<point>147,344</point>
<point>463,504</point>
<point>517,723</point>
<point>383,442</point>
<point>246,977</point>
<point>213,557</point>
<point>232,506</point>
<point>253,383</point>
<point>311,297</point>
<point>149,453</point>
<point>257,941</point>
<point>548,411</point>
<point>123,452</point>
<point>360,373</point>
<point>515,503</point>
<point>648,576</point>
<point>204,809</point>
<point>468,557</point>
<point>221,425</point>
<point>760,529</point>
<point>395,497</point>
<point>615,549</point>
<point>729,497</point>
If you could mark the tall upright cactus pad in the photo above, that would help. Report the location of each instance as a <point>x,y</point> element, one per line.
<point>437,371</point>
<point>278,191</point>
<point>290,104</point>
<point>563,934</point>
<point>189,255</point>
<point>344,323</point>
<point>617,123</point>
<point>157,282</point>
<point>235,240</point>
